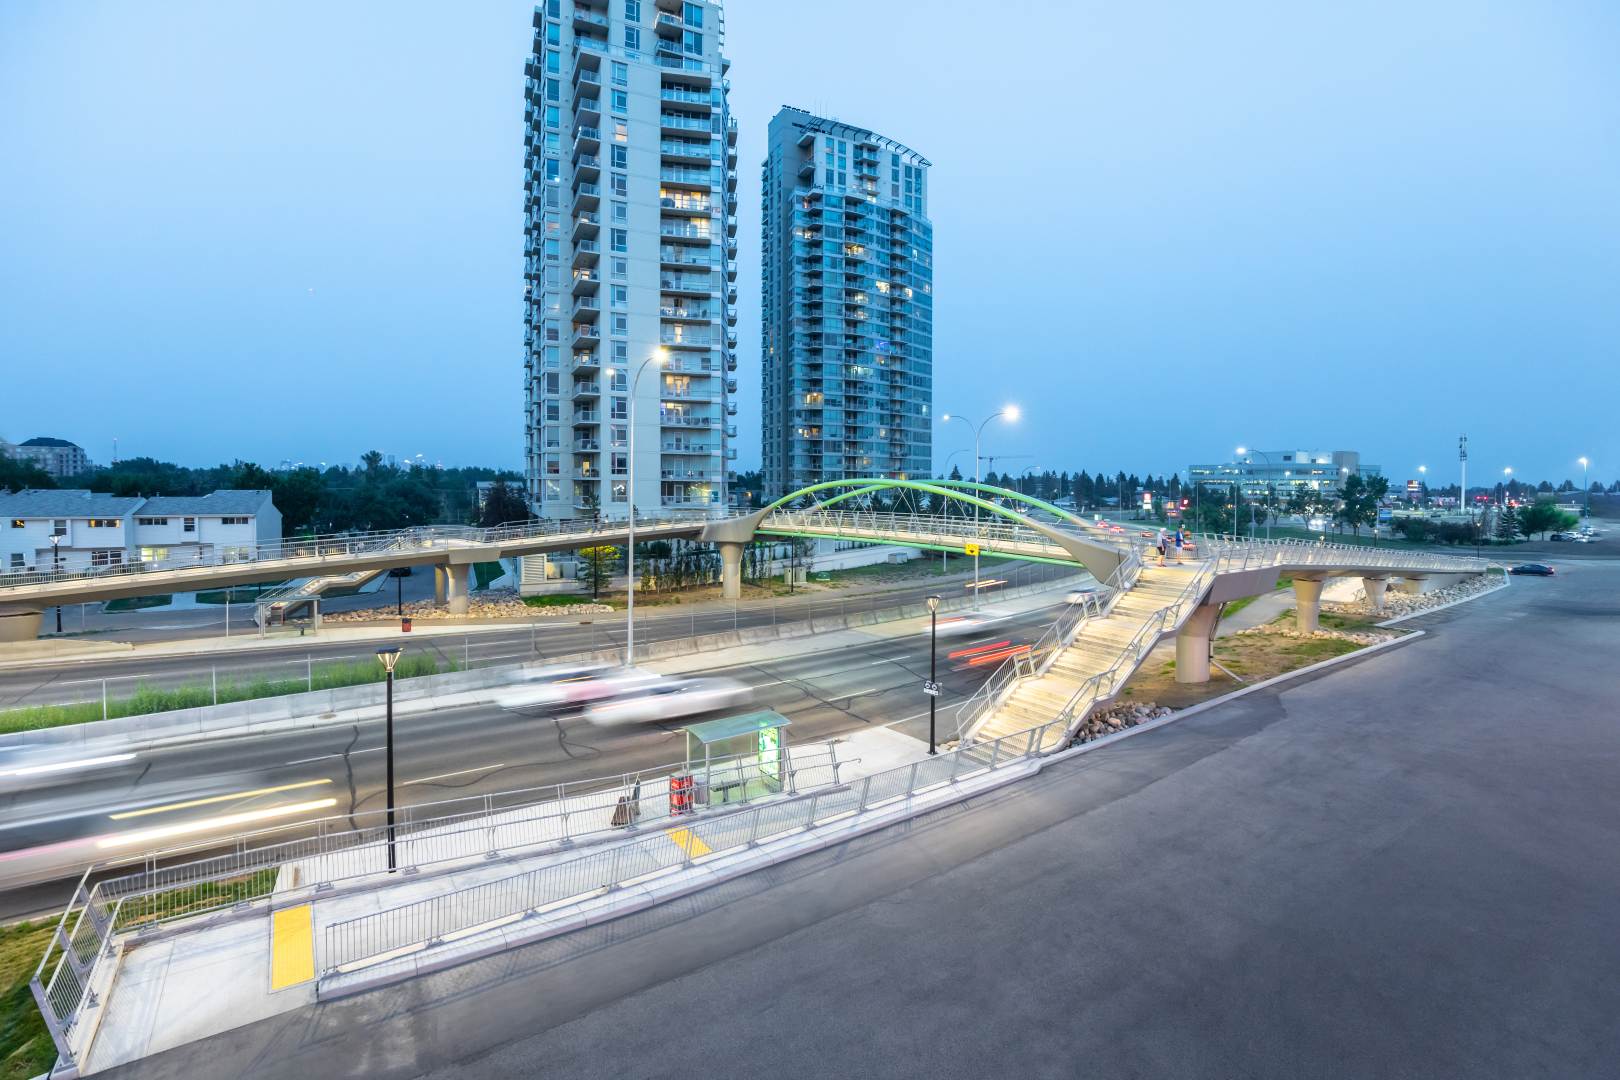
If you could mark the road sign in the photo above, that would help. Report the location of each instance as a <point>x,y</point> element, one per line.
<point>970,549</point>
<point>931,688</point>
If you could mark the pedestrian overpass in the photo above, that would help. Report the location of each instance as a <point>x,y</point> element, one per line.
<point>937,515</point>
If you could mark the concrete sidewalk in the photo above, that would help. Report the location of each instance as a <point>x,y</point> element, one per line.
<point>190,984</point>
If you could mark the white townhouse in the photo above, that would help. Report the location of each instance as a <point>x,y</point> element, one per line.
<point>74,529</point>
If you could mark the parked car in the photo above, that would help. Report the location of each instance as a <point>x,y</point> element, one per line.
<point>1534,569</point>
<point>1563,536</point>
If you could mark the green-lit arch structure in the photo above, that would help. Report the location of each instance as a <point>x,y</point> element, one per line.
<point>969,485</point>
<point>1099,559</point>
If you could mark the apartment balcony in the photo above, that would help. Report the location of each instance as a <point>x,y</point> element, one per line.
<point>587,252</point>
<point>699,178</point>
<point>674,6</point>
<point>587,140</point>
<point>731,408</point>
<point>669,336</point>
<point>731,135</point>
<point>584,75</point>
<point>731,385</point>
<point>731,361</point>
<point>681,419</point>
<point>685,233</point>
<point>698,98</point>
<point>589,20</point>
<point>699,284</point>
<point>587,361</point>
<point>685,151</point>
<point>588,111</point>
<point>731,340</point>
<point>586,197</point>
<point>731,431</point>
<point>587,390</point>
<point>681,446</point>
<point>586,309</point>
<point>679,124</point>
<point>586,334</point>
<point>587,224</point>
<point>586,446</point>
<point>587,416</point>
<point>807,169</point>
<point>673,255</point>
<point>678,205</point>
<point>690,475</point>
<point>668,26</point>
<point>689,364</point>
<point>587,167</point>
<point>731,453</point>
<point>686,312</point>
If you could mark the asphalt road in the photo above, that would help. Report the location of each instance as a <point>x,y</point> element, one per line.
<point>46,683</point>
<point>1402,867</point>
<point>48,834</point>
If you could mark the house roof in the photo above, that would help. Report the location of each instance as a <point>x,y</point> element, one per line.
<point>65,502</point>
<point>232,501</point>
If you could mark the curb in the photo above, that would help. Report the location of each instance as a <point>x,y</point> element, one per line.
<point>1447,604</point>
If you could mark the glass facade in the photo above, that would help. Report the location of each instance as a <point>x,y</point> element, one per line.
<point>848,320</point>
<point>630,248</point>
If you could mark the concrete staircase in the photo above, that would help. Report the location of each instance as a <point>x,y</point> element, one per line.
<point>1038,699</point>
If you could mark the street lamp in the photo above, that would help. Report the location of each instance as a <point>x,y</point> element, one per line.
<point>56,564</point>
<point>1262,453</point>
<point>1010,414</point>
<point>1586,486</point>
<point>659,357</point>
<point>1507,478</point>
<point>933,671</point>
<point>389,657</point>
<point>1423,482</point>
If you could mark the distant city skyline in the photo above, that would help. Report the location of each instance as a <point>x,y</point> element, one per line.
<point>1203,228</point>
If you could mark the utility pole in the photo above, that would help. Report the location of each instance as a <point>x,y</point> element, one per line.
<point>1462,463</point>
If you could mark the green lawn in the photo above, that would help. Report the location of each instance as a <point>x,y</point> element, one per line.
<point>26,1049</point>
<point>146,700</point>
<point>560,600</point>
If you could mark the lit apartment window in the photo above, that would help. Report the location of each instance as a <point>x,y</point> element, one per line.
<point>104,523</point>
<point>621,131</point>
<point>17,523</point>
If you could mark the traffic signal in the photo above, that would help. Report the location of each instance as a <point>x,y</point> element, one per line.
<point>1184,504</point>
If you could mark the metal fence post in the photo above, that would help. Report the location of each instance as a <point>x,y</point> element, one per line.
<point>104,699</point>
<point>309,671</point>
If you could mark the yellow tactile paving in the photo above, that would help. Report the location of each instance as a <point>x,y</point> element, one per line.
<point>689,843</point>
<point>292,947</point>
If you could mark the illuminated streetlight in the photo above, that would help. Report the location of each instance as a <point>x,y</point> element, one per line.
<point>1586,486</point>
<point>1010,414</point>
<point>390,657</point>
<point>933,676</point>
<point>659,357</point>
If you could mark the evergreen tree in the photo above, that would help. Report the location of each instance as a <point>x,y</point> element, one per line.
<point>1507,525</point>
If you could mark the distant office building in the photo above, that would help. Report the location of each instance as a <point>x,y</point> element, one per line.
<point>630,251</point>
<point>73,529</point>
<point>58,457</point>
<point>1281,471</point>
<point>847,341</point>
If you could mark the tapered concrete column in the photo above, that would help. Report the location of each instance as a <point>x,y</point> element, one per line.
<point>730,570</point>
<point>438,585</point>
<point>1192,645</point>
<point>1308,604</point>
<point>1375,588</point>
<point>456,581</point>
<point>20,624</point>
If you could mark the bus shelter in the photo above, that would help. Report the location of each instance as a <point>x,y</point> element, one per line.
<point>736,758</point>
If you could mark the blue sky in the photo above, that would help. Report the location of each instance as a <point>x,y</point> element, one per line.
<point>293,230</point>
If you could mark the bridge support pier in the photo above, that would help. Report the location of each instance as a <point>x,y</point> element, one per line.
<point>438,586</point>
<point>1192,644</point>
<point>20,624</point>
<point>1418,584</point>
<point>730,570</point>
<point>1308,604</point>
<point>456,582</point>
<point>1375,587</point>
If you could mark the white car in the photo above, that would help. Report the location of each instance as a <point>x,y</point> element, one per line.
<point>970,623</point>
<point>671,699</point>
<point>570,686</point>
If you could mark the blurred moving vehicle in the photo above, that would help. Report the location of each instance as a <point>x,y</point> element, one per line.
<point>670,699</point>
<point>968,623</point>
<point>1081,596</point>
<point>1533,569</point>
<point>570,686</point>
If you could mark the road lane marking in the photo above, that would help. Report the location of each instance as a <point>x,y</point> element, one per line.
<point>324,757</point>
<point>226,821</point>
<point>458,772</point>
<point>292,947</point>
<point>122,814</point>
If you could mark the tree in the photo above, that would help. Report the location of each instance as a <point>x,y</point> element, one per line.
<point>19,473</point>
<point>503,504</point>
<point>297,494</point>
<point>599,563</point>
<point>1543,516</point>
<point>1507,525</point>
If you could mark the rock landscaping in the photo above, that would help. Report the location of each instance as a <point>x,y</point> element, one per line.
<point>1286,629</point>
<point>1118,717</point>
<point>1399,603</point>
<point>494,604</point>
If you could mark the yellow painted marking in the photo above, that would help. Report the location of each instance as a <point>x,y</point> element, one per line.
<point>292,947</point>
<point>121,815</point>
<point>688,842</point>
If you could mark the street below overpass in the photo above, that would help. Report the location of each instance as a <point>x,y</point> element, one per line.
<point>1402,866</point>
<point>48,835</point>
<point>61,682</point>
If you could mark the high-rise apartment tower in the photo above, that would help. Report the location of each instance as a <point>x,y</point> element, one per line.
<point>630,158</point>
<point>848,308</point>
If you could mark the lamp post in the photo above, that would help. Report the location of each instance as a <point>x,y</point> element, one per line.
<point>659,357</point>
<point>1586,485</point>
<point>1267,456</point>
<point>1010,414</point>
<point>389,657</point>
<point>56,564</point>
<point>933,671</point>
<point>1507,478</point>
<point>1423,483</point>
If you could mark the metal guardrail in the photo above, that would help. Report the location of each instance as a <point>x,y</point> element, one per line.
<point>425,924</point>
<point>1242,553</point>
<point>157,895</point>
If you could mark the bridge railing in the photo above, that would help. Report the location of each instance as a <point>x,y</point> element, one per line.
<point>1243,553</point>
<point>318,549</point>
